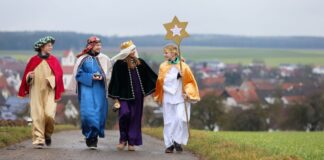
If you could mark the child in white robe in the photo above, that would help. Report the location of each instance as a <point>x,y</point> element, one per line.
<point>171,95</point>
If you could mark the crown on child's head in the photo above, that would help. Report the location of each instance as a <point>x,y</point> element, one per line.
<point>126,44</point>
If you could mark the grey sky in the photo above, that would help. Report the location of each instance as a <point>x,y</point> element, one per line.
<point>143,17</point>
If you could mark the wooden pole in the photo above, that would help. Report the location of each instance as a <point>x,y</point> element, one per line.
<point>183,91</point>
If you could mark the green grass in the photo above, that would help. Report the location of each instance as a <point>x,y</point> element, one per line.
<point>253,145</point>
<point>12,135</point>
<point>272,57</point>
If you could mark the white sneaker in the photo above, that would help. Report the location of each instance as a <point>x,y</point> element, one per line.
<point>38,146</point>
<point>93,148</point>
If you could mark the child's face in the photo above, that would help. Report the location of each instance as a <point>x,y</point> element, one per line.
<point>47,48</point>
<point>97,48</point>
<point>168,54</point>
<point>133,53</point>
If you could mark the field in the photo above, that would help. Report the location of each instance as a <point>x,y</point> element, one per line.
<point>253,145</point>
<point>272,57</point>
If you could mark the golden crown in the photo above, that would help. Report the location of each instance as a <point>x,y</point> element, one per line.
<point>126,44</point>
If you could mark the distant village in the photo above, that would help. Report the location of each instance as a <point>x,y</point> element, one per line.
<point>239,85</point>
<point>257,83</point>
<point>12,107</point>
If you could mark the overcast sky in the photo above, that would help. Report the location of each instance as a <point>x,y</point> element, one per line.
<point>145,17</point>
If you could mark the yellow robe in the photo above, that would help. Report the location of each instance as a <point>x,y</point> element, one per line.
<point>190,86</point>
<point>42,103</point>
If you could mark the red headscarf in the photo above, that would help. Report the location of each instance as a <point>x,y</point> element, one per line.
<point>91,42</point>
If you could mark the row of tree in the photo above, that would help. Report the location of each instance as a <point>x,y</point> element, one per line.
<point>211,113</point>
<point>66,40</point>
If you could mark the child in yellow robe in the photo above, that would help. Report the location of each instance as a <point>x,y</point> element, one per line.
<point>43,81</point>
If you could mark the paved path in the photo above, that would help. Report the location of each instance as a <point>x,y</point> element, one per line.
<point>70,145</point>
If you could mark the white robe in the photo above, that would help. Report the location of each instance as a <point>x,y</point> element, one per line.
<point>174,115</point>
<point>105,63</point>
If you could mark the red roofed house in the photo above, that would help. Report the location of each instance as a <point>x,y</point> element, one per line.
<point>248,93</point>
<point>291,85</point>
<point>67,62</point>
<point>239,97</point>
<point>211,91</point>
<point>5,89</point>
<point>213,81</point>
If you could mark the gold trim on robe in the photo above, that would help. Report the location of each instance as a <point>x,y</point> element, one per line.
<point>189,83</point>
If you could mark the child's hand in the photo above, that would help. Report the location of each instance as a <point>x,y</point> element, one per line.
<point>97,77</point>
<point>185,96</point>
<point>155,99</point>
<point>116,106</point>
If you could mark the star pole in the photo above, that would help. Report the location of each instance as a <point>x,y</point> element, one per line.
<point>176,31</point>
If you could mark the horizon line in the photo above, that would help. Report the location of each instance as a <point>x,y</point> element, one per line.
<point>159,34</point>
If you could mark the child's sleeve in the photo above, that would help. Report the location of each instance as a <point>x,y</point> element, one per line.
<point>158,88</point>
<point>84,77</point>
<point>190,85</point>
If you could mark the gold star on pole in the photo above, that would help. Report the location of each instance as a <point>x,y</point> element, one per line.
<point>176,30</point>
